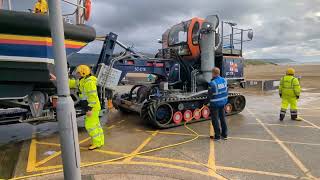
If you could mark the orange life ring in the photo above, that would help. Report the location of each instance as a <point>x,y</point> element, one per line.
<point>87,11</point>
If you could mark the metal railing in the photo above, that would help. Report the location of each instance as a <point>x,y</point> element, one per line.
<point>78,13</point>
<point>235,39</point>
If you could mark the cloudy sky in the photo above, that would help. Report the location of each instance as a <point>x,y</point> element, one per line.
<point>282,28</point>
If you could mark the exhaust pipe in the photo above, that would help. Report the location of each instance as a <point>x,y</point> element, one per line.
<point>207,44</point>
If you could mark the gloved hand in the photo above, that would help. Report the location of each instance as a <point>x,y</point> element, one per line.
<point>297,97</point>
<point>280,95</point>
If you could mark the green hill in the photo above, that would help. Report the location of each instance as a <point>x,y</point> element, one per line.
<point>268,61</point>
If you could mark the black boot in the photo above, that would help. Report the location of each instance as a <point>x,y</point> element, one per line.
<point>282,114</point>
<point>294,115</point>
<point>282,117</point>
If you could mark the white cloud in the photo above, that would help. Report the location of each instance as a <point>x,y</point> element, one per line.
<point>282,28</point>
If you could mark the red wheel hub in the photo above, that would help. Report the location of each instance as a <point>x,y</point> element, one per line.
<point>205,112</point>
<point>187,115</point>
<point>177,117</point>
<point>197,114</point>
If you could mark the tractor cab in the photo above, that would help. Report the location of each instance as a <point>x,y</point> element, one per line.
<point>184,38</point>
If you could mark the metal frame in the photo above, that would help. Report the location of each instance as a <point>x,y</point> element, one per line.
<point>231,37</point>
<point>132,61</point>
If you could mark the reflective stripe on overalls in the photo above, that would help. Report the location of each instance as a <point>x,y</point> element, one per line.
<point>92,123</point>
<point>289,89</point>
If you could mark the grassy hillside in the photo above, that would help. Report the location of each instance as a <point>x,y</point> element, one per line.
<point>254,62</point>
<point>267,61</point>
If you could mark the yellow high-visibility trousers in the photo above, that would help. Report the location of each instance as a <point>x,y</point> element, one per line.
<point>94,129</point>
<point>289,101</point>
<point>285,103</point>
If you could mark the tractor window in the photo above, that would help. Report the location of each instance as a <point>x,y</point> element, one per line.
<point>179,33</point>
<point>195,33</point>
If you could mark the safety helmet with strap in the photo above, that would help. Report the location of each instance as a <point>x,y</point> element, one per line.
<point>83,70</point>
<point>290,71</point>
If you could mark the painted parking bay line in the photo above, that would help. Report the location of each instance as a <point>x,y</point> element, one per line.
<point>312,124</point>
<point>141,146</point>
<point>211,158</point>
<point>302,167</point>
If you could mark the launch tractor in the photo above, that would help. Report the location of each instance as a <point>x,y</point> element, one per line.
<point>182,68</point>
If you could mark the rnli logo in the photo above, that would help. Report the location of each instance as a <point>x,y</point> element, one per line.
<point>233,67</point>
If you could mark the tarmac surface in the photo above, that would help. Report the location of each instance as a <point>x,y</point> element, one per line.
<point>259,147</point>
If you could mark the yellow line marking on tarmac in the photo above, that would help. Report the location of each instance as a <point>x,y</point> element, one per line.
<point>84,140</point>
<point>180,161</point>
<point>108,152</point>
<point>256,172</point>
<point>167,166</point>
<point>141,156</point>
<point>47,143</point>
<point>174,133</point>
<point>238,138</point>
<point>315,126</point>
<point>169,160</point>
<point>157,164</point>
<point>125,154</point>
<point>112,126</point>
<point>57,167</point>
<point>32,159</point>
<point>302,167</point>
<point>199,171</point>
<point>121,121</point>
<point>284,125</point>
<point>56,154</point>
<point>32,164</point>
<point>212,157</point>
<point>129,163</point>
<point>144,143</point>
<point>151,157</point>
<point>48,158</point>
<point>46,168</point>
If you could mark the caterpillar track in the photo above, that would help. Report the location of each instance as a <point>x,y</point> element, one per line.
<point>170,112</point>
<point>162,113</point>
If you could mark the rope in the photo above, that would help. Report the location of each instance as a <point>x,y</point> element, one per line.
<point>140,153</point>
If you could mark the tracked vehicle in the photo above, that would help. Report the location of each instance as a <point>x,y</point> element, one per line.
<point>182,68</point>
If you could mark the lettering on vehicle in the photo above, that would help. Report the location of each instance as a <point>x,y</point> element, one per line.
<point>229,73</point>
<point>140,69</point>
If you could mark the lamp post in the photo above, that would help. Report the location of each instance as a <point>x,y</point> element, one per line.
<point>65,108</point>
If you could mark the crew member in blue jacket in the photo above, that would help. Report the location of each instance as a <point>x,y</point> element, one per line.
<point>218,97</point>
